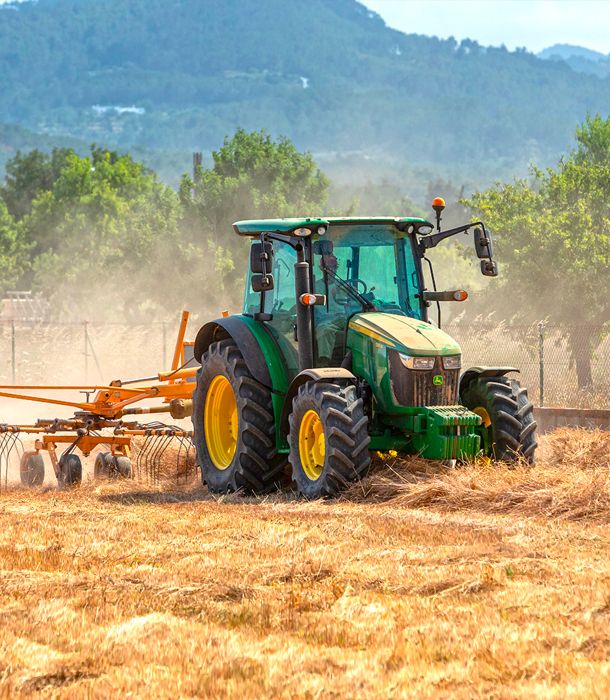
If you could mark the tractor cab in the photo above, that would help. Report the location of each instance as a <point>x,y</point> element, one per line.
<point>353,266</point>
<point>309,278</point>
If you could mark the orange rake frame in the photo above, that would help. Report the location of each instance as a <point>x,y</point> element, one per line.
<point>110,404</point>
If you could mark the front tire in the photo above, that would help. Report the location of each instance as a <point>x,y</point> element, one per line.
<point>234,425</point>
<point>509,430</point>
<point>328,439</point>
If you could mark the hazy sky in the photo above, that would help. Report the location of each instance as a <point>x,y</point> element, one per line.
<point>534,24</point>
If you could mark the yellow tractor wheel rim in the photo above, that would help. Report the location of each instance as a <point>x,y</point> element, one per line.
<point>220,422</point>
<point>484,413</point>
<point>312,445</point>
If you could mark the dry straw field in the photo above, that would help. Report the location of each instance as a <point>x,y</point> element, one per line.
<point>474,582</point>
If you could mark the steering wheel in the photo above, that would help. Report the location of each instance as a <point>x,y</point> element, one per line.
<point>336,291</point>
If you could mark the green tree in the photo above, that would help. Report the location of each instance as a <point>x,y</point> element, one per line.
<point>102,234</point>
<point>28,175</point>
<point>14,253</point>
<point>252,177</point>
<point>553,239</point>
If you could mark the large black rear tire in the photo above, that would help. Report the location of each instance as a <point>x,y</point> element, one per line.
<point>509,429</point>
<point>328,439</point>
<point>236,447</point>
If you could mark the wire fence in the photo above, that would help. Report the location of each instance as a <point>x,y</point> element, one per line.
<point>90,353</point>
<point>82,353</point>
<point>560,366</point>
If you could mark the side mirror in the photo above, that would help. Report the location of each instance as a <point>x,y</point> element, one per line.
<point>262,283</point>
<point>489,268</point>
<point>261,253</point>
<point>483,244</point>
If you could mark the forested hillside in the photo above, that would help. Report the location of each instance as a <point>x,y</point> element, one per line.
<point>329,74</point>
<point>579,59</point>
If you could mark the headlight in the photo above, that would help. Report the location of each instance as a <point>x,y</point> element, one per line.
<point>417,362</point>
<point>452,362</point>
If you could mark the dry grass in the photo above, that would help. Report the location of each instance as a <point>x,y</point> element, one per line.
<point>571,481</point>
<point>438,590</point>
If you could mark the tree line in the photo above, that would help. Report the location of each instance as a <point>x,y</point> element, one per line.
<point>101,235</point>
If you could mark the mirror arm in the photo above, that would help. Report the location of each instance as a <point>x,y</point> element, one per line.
<point>434,239</point>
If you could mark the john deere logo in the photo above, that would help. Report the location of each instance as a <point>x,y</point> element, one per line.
<point>438,380</point>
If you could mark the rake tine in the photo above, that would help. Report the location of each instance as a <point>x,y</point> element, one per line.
<point>191,450</point>
<point>9,441</point>
<point>164,442</point>
<point>147,450</point>
<point>139,457</point>
<point>4,452</point>
<point>188,446</point>
<point>3,439</point>
<point>182,446</point>
<point>168,442</point>
<point>13,446</point>
<point>151,447</point>
<point>152,458</point>
<point>141,463</point>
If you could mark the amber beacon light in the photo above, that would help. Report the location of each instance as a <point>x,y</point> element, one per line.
<point>438,204</point>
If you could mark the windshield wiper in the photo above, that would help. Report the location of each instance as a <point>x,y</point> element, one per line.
<point>347,287</point>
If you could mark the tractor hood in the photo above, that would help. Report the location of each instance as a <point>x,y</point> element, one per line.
<point>405,334</point>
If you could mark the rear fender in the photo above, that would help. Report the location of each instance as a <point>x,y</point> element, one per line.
<point>234,327</point>
<point>261,354</point>
<point>334,375</point>
<point>473,373</point>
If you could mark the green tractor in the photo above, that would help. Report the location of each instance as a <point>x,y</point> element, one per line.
<point>334,356</point>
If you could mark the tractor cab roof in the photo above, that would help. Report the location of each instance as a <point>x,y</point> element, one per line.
<point>315,225</point>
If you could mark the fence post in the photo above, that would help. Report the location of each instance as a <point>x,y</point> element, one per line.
<point>95,359</point>
<point>86,338</point>
<point>13,352</point>
<point>541,360</point>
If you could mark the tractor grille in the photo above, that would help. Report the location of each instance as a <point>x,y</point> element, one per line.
<point>415,387</point>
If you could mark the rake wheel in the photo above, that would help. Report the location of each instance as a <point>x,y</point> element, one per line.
<point>120,467</point>
<point>101,468</point>
<point>31,469</point>
<point>70,470</point>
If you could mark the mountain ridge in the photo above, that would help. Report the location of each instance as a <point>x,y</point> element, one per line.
<point>566,51</point>
<point>329,74</point>
<point>579,58</point>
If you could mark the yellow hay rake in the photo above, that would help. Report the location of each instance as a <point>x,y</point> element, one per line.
<point>99,422</point>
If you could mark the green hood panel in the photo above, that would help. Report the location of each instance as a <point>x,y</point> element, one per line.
<point>405,334</point>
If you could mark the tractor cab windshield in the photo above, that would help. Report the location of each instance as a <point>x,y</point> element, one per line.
<point>358,267</point>
<point>365,267</point>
